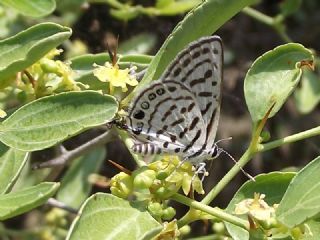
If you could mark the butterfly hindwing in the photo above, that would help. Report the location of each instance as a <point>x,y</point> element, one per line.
<point>166,114</point>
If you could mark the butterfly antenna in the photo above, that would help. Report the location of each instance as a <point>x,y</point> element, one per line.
<point>242,170</point>
<point>223,139</point>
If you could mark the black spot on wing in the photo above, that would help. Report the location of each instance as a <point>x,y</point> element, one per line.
<point>196,55</point>
<point>139,114</point>
<point>191,106</point>
<point>181,120</point>
<point>172,89</point>
<point>208,73</point>
<point>181,134</point>
<point>197,81</point>
<point>205,50</point>
<point>205,110</point>
<point>163,101</point>
<point>173,138</point>
<point>205,94</point>
<point>177,72</point>
<point>196,137</point>
<point>194,68</point>
<point>194,123</point>
<point>186,62</point>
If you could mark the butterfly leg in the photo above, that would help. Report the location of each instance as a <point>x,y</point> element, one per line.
<point>201,169</point>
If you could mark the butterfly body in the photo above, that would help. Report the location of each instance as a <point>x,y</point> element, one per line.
<point>179,113</point>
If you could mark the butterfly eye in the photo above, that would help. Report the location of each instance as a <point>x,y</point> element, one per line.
<point>152,96</point>
<point>145,105</point>
<point>138,114</point>
<point>160,91</point>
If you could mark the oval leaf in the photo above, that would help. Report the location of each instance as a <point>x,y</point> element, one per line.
<point>16,203</point>
<point>264,184</point>
<point>302,199</point>
<point>34,8</point>
<point>27,47</point>
<point>139,44</point>
<point>308,95</point>
<point>273,77</point>
<point>49,120</point>
<point>76,179</point>
<point>104,216</point>
<point>11,164</point>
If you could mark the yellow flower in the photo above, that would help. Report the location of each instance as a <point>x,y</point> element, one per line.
<point>115,76</point>
<point>256,207</point>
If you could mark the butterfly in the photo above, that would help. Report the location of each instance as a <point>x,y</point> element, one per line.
<point>179,113</point>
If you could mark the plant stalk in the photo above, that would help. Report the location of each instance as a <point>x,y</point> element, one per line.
<point>216,212</point>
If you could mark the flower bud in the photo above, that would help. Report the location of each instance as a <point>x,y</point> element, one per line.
<point>48,65</point>
<point>168,213</point>
<point>121,185</point>
<point>155,209</point>
<point>143,178</point>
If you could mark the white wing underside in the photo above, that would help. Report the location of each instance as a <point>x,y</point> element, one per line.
<point>179,112</point>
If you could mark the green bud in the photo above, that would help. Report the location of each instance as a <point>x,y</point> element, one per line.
<point>121,185</point>
<point>48,65</point>
<point>164,192</point>
<point>143,178</point>
<point>219,227</point>
<point>185,230</point>
<point>265,136</point>
<point>161,175</point>
<point>155,209</point>
<point>168,213</point>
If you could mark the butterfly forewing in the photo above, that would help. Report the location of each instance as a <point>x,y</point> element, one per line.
<point>179,112</point>
<point>199,68</point>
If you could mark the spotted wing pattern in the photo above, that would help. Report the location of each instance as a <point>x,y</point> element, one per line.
<point>199,68</point>
<point>179,112</point>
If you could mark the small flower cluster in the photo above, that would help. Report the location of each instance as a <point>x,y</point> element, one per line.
<point>155,183</point>
<point>264,217</point>
<point>46,77</point>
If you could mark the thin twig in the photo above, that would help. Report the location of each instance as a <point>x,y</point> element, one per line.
<point>139,75</point>
<point>77,152</point>
<point>55,203</point>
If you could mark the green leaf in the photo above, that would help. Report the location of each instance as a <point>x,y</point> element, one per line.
<point>27,47</point>
<point>11,163</point>
<point>125,14</point>
<point>264,184</point>
<point>308,95</point>
<point>139,44</point>
<point>76,178</point>
<point>312,231</point>
<point>273,77</point>
<point>50,120</point>
<point>288,7</point>
<point>16,203</point>
<point>176,7</point>
<point>204,20</point>
<point>34,8</point>
<point>84,65</point>
<point>302,199</point>
<point>104,216</point>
